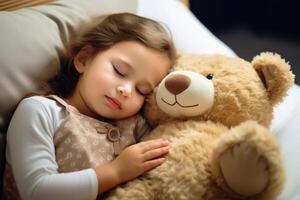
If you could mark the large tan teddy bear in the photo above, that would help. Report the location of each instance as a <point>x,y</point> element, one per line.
<point>215,111</point>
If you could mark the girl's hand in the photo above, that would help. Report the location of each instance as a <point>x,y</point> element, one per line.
<point>132,162</point>
<point>139,158</point>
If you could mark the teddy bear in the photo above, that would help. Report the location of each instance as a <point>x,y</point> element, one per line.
<point>215,112</point>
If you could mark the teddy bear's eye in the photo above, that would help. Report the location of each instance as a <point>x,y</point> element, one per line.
<point>210,76</point>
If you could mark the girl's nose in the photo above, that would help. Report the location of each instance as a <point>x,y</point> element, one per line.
<point>125,90</point>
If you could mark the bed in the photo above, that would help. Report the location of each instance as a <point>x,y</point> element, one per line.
<point>33,32</point>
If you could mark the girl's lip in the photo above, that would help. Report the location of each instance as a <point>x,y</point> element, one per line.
<point>114,102</point>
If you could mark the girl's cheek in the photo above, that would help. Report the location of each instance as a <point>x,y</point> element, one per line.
<point>139,102</point>
<point>142,101</point>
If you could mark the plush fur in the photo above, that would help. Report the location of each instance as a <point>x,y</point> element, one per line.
<point>226,152</point>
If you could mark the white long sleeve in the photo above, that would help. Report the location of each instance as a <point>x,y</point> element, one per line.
<point>30,151</point>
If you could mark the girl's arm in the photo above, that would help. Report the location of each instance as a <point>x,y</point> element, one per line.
<point>132,162</point>
<point>31,153</point>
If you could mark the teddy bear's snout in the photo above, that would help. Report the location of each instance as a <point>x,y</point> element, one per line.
<point>177,83</point>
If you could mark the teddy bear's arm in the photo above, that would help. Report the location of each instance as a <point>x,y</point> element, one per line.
<point>247,162</point>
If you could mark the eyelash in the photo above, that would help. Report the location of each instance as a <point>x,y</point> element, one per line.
<point>117,71</point>
<point>138,91</point>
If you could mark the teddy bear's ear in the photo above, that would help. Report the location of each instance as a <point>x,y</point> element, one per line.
<point>275,74</point>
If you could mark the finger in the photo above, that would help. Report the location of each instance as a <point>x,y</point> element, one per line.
<point>153,144</point>
<point>149,155</point>
<point>153,163</point>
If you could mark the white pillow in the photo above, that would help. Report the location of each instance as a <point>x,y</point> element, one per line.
<point>189,34</point>
<point>286,126</point>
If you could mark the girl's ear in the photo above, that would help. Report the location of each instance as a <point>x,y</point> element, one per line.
<point>82,58</point>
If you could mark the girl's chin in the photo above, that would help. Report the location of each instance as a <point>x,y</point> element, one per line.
<point>110,115</point>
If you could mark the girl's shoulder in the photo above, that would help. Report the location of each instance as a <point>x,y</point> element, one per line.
<point>42,105</point>
<point>39,103</point>
<point>37,98</point>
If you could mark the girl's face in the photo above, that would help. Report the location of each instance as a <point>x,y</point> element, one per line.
<point>113,83</point>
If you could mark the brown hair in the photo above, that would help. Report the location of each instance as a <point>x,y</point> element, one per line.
<point>111,30</point>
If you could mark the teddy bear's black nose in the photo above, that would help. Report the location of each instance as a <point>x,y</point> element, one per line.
<point>177,83</point>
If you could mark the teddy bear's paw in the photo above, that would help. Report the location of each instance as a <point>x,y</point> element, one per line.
<point>244,170</point>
